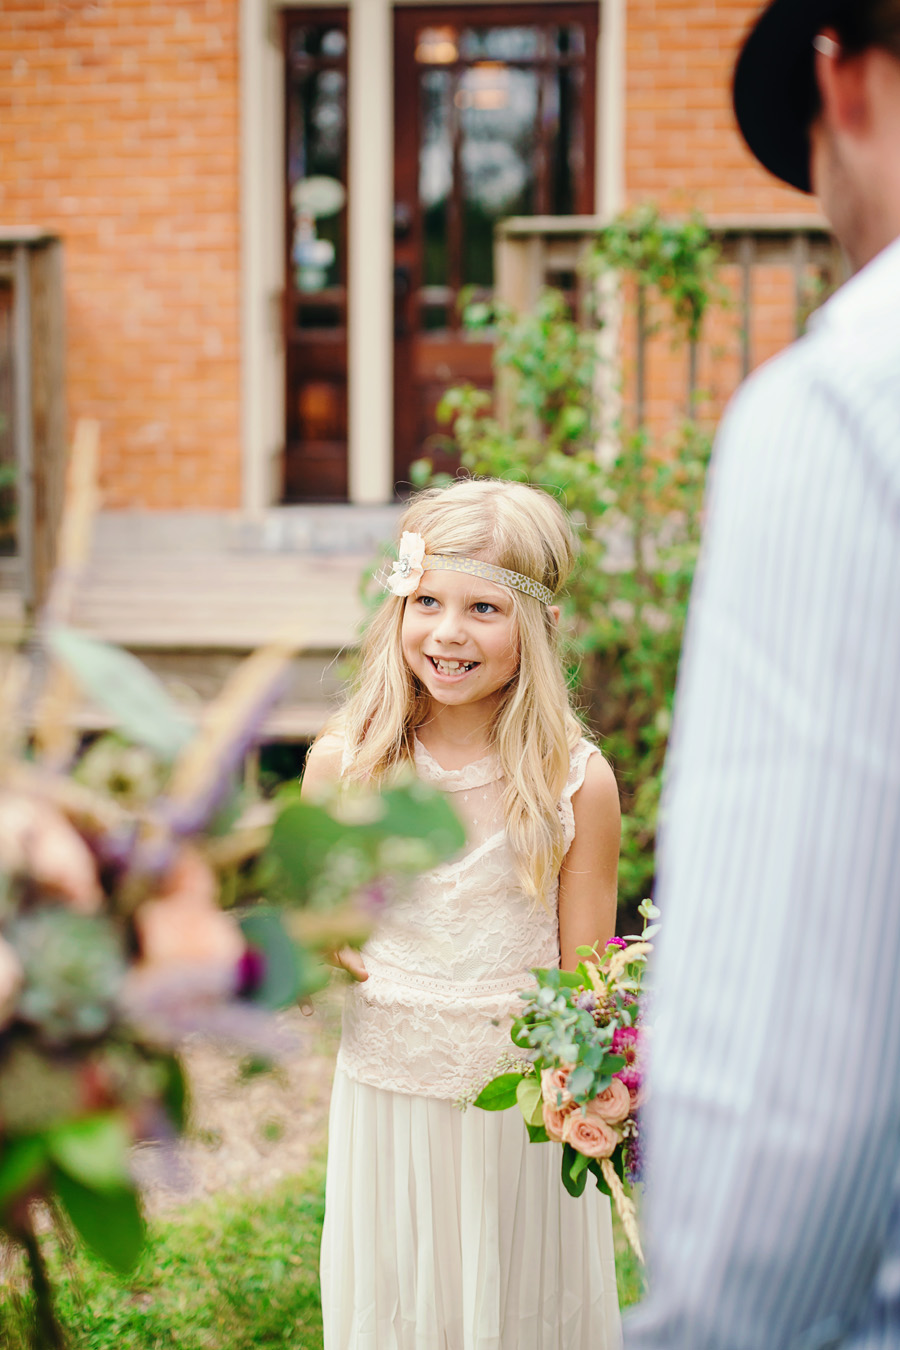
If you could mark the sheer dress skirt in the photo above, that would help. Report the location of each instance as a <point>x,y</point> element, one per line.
<point>448,1230</point>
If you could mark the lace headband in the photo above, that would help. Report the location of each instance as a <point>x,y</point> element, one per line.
<point>407,571</point>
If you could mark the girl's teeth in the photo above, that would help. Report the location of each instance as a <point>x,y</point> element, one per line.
<point>452,667</point>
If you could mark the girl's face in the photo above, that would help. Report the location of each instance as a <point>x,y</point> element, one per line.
<point>460,637</point>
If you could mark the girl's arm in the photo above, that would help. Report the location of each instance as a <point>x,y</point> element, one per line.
<point>321,771</point>
<point>588,877</point>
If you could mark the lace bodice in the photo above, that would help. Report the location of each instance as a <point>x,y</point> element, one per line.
<point>446,964</point>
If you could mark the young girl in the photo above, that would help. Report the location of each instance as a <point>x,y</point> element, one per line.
<point>446,1229</point>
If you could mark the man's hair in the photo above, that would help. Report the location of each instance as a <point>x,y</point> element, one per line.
<point>870,23</point>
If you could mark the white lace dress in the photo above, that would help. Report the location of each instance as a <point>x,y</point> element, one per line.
<point>446,1229</point>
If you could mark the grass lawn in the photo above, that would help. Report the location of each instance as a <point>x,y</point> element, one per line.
<point>235,1272</point>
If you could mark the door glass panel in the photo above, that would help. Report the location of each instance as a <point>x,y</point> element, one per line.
<point>568,40</point>
<point>500,44</point>
<point>566,148</point>
<point>316,140</point>
<point>498,112</point>
<point>436,173</point>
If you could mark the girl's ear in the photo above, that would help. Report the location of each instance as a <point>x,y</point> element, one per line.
<point>553,611</point>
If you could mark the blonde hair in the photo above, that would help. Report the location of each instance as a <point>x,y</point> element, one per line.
<point>534,728</point>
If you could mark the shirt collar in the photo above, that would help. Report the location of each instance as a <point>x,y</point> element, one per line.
<point>872,290</point>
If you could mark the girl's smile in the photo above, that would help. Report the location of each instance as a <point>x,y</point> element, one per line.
<point>460,637</point>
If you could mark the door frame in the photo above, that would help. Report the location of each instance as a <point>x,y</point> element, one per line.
<point>262,210</point>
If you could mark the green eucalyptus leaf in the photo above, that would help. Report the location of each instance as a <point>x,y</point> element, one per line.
<point>500,1093</point>
<point>302,838</point>
<point>281,982</point>
<point>21,1164</point>
<point>126,689</point>
<point>530,1099</point>
<point>109,1222</point>
<point>175,1093</point>
<point>93,1150</point>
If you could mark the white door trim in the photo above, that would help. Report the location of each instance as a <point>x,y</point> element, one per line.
<point>370,263</point>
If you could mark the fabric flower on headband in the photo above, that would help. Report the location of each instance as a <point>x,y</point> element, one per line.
<point>406,572</point>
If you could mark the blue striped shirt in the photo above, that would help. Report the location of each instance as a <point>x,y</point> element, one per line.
<point>773,1189</point>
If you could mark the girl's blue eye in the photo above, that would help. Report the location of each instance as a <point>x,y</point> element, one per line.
<point>484,607</point>
<point>427,601</point>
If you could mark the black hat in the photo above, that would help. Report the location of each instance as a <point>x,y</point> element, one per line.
<point>775,94</point>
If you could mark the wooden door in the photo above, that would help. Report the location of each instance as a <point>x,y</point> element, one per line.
<point>494,117</point>
<point>315,300</point>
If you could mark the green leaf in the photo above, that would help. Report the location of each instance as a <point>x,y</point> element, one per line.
<point>302,838</point>
<point>22,1162</point>
<point>417,812</point>
<point>281,982</point>
<point>595,1168</point>
<point>500,1093</point>
<point>110,1222</point>
<point>93,1150</point>
<point>574,1170</point>
<point>570,979</point>
<point>175,1093</point>
<point>584,951</point>
<point>530,1099</point>
<point>120,683</point>
<point>580,1081</point>
<point>537,1134</point>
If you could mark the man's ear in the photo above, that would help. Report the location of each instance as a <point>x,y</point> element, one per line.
<point>843,86</point>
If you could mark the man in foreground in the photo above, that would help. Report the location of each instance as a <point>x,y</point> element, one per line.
<point>773,1208</point>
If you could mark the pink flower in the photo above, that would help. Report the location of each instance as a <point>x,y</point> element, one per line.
<point>589,1135</point>
<point>554,1086</point>
<point>555,1119</point>
<point>626,1041</point>
<point>406,572</point>
<point>183,923</point>
<point>612,1105</point>
<point>39,842</point>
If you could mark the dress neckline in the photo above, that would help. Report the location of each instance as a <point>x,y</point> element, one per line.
<point>476,774</point>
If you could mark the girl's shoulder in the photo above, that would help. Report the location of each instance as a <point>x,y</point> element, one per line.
<point>591,790</point>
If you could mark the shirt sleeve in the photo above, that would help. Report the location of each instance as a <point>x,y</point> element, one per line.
<point>774,1113</point>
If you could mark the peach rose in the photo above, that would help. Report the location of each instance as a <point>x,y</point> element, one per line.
<point>35,839</point>
<point>183,922</point>
<point>555,1118</point>
<point>554,1086</point>
<point>611,1105</point>
<point>589,1135</point>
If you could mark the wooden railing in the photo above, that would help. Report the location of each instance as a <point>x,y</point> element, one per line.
<point>531,253</point>
<point>32,397</point>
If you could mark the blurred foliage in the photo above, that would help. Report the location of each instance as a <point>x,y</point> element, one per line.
<point>635,503</point>
<point>145,898</point>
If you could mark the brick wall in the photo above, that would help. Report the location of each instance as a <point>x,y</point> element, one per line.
<point>119,130</point>
<point>683,149</point>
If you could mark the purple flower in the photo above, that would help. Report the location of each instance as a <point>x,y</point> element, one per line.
<point>586,1000</point>
<point>634,1157</point>
<point>616,942</point>
<point>251,971</point>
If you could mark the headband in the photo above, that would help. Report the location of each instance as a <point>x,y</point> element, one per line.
<point>406,573</point>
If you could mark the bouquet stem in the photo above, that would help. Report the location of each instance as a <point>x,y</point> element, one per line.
<point>48,1334</point>
<point>625,1207</point>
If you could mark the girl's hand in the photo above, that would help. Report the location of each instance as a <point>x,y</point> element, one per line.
<point>349,959</point>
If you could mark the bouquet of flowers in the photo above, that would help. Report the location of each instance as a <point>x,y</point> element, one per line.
<point>143,898</point>
<point>579,1082</point>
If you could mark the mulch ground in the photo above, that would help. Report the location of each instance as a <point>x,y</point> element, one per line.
<point>247,1130</point>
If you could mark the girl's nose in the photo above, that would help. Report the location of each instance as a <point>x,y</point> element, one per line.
<point>448,627</point>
